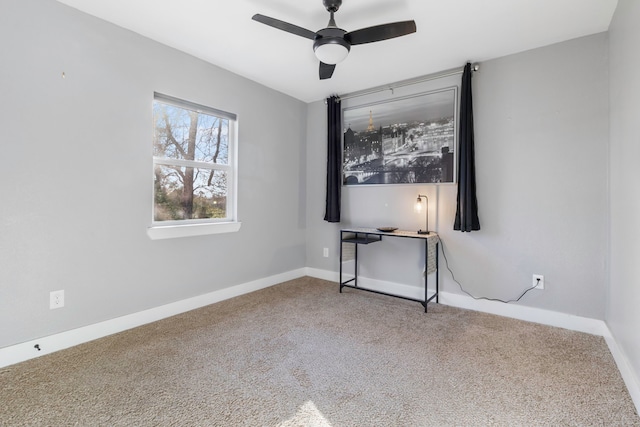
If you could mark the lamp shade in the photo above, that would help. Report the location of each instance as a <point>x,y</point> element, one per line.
<point>418,208</point>
<point>331,51</point>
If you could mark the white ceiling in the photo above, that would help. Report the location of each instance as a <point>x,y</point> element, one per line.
<point>449,33</point>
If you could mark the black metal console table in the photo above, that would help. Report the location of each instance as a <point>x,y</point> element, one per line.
<point>365,236</point>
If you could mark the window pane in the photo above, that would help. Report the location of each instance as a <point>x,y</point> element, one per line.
<point>189,135</point>
<point>189,193</point>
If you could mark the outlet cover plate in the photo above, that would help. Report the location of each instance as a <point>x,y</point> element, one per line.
<point>538,284</point>
<point>56,299</point>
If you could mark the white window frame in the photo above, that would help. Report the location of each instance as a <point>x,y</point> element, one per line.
<point>199,227</point>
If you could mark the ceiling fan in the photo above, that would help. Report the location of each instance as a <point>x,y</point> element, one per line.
<point>332,44</point>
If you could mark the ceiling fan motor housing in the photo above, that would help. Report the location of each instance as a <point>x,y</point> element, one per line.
<point>332,5</point>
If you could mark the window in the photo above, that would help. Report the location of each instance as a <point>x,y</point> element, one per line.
<point>194,167</point>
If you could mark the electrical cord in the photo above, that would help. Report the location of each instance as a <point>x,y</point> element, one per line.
<point>446,261</point>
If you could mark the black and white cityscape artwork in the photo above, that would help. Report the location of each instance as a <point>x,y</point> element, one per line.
<point>402,141</point>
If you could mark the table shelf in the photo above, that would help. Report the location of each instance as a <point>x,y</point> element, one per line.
<point>361,240</point>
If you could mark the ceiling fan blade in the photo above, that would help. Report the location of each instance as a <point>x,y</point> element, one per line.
<point>284,26</point>
<point>326,70</point>
<point>380,32</point>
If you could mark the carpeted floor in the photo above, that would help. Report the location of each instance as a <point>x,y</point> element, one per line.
<point>302,354</point>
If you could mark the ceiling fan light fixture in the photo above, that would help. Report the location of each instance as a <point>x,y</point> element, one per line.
<point>332,44</point>
<point>331,51</point>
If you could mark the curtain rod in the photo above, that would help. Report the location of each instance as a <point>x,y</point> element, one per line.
<point>409,82</point>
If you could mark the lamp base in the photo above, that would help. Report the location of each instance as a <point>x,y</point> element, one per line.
<point>423,232</point>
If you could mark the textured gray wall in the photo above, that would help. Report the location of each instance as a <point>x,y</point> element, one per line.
<point>541,127</point>
<point>623,313</point>
<point>75,193</point>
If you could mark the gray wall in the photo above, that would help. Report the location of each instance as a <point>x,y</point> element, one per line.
<point>541,122</point>
<point>623,311</point>
<point>75,193</point>
<point>76,184</point>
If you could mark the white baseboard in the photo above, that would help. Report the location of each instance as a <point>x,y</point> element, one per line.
<point>631,378</point>
<point>52,343</point>
<point>330,276</point>
<point>530,314</point>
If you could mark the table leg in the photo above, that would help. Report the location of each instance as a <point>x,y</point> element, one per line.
<point>341,244</point>
<point>355,267</point>
<point>426,273</point>
<point>437,274</point>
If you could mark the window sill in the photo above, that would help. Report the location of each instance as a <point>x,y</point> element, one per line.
<point>189,230</point>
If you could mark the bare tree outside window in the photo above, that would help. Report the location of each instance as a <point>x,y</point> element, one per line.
<point>191,164</point>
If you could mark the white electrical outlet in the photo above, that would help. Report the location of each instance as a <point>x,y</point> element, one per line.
<point>56,299</point>
<point>325,252</point>
<point>538,281</point>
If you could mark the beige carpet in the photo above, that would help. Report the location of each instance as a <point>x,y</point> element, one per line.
<point>302,354</point>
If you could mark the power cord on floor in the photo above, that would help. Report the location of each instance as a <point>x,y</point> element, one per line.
<point>446,261</point>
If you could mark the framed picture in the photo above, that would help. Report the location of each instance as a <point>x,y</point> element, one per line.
<point>407,140</point>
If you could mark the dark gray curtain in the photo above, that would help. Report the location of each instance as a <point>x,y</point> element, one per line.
<point>334,159</point>
<point>467,209</point>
